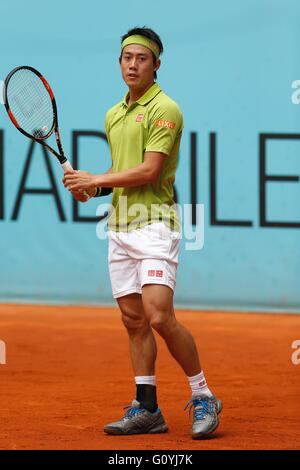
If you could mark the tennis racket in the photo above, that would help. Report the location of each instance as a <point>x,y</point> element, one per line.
<point>31,106</point>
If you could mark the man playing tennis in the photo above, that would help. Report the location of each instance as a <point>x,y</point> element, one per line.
<point>144,132</point>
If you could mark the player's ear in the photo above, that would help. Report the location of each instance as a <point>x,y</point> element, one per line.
<point>157,65</point>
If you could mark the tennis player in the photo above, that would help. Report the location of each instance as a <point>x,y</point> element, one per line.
<point>144,132</point>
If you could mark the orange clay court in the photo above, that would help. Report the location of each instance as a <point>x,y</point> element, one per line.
<point>67,373</point>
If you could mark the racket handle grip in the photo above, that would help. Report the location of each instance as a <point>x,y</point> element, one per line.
<point>67,166</point>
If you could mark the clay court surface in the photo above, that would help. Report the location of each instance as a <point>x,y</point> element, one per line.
<point>68,373</point>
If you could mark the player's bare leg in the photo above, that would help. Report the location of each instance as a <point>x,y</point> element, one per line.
<point>143,416</point>
<point>142,343</point>
<point>158,305</point>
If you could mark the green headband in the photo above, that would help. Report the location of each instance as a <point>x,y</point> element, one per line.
<point>142,41</point>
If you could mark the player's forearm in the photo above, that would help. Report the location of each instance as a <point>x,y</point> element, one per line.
<point>98,191</point>
<point>137,176</point>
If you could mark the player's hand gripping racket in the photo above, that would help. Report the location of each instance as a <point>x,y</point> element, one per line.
<point>31,106</point>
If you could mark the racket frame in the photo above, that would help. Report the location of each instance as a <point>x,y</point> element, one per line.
<point>61,155</point>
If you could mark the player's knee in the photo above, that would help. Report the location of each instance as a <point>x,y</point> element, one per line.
<point>162,323</point>
<point>133,322</point>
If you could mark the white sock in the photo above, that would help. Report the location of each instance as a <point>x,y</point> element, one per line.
<point>145,379</point>
<point>199,386</point>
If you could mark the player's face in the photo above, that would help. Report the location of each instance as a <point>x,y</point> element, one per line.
<point>137,66</point>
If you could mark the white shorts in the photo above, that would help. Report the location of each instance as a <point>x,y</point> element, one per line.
<point>147,255</point>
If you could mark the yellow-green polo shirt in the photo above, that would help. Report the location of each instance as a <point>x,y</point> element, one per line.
<point>153,123</point>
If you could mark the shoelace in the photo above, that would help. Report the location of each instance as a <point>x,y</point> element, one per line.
<point>131,411</point>
<point>201,408</point>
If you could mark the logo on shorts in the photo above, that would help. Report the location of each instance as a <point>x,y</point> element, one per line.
<point>139,118</point>
<point>153,273</point>
<point>163,123</point>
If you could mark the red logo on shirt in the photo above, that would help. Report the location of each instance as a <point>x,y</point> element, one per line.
<point>159,273</point>
<point>151,272</point>
<point>163,123</point>
<point>139,118</point>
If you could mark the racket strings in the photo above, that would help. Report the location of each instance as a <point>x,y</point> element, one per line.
<point>30,103</point>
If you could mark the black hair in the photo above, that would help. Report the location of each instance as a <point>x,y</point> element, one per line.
<point>147,33</point>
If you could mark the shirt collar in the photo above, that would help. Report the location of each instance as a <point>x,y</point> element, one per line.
<point>147,96</point>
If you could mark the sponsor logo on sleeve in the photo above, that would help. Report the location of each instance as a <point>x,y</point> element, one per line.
<point>164,123</point>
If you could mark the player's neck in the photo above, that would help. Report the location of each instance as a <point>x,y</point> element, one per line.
<point>136,93</point>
